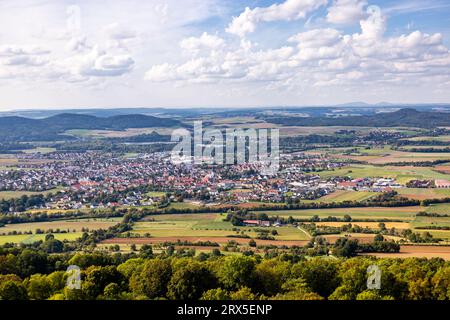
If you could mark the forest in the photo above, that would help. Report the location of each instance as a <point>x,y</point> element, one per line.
<point>32,274</point>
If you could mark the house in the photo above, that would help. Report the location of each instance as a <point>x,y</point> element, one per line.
<point>256,223</point>
<point>442,183</point>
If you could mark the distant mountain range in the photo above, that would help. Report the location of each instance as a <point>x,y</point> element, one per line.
<point>19,129</point>
<point>401,118</point>
<point>360,108</point>
<point>51,128</point>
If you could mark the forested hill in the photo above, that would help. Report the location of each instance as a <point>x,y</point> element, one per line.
<point>49,129</point>
<point>401,118</point>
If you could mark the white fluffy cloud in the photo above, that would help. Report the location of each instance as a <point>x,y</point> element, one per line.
<point>205,42</point>
<point>346,11</point>
<point>186,46</point>
<point>247,21</point>
<point>318,57</point>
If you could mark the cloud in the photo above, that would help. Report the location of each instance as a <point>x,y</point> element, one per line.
<point>324,57</point>
<point>204,42</point>
<point>117,31</point>
<point>345,12</point>
<point>289,10</point>
<point>101,64</point>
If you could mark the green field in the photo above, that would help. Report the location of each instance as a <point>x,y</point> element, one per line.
<point>442,208</point>
<point>6,195</point>
<point>67,225</point>
<point>40,150</point>
<point>426,138</point>
<point>205,226</point>
<point>401,174</point>
<point>156,194</point>
<point>403,213</point>
<point>25,238</point>
<point>341,195</point>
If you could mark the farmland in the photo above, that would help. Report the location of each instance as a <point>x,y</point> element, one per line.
<point>205,227</point>
<point>421,194</point>
<point>17,194</point>
<point>341,196</point>
<point>29,239</point>
<point>402,174</point>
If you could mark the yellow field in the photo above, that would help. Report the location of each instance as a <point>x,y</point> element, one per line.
<point>371,225</point>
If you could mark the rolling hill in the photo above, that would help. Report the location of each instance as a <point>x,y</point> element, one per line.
<point>52,128</point>
<point>402,118</point>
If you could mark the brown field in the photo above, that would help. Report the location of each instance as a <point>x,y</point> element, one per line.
<point>443,169</point>
<point>220,240</point>
<point>418,251</point>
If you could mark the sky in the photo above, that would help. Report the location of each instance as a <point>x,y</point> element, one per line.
<point>228,53</point>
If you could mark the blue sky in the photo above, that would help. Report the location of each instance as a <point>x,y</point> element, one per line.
<point>57,54</point>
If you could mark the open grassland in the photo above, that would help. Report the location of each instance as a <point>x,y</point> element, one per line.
<point>30,238</point>
<point>386,155</point>
<point>155,194</point>
<point>427,138</point>
<point>6,195</point>
<point>205,226</point>
<point>397,213</point>
<point>441,208</point>
<point>40,150</point>
<point>401,174</point>
<point>342,195</point>
<point>64,225</point>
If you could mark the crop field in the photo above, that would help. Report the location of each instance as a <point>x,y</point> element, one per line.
<point>370,225</point>
<point>342,195</point>
<point>401,174</point>
<point>386,155</point>
<point>421,193</point>
<point>426,138</point>
<point>67,225</point>
<point>6,195</point>
<point>205,227</point>
<point>40,150</point>
<point>404,213</point>
<point>30,238</point>
<point>8,160</point>
<point>441,208</point>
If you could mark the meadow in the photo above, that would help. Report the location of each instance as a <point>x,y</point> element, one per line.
<point>344,195</point>
<point>75,225</point>
<point>404,213</point>
<point>205,227</point>
<point>6,195</point>
<point>30,238</point>
<point>402,174</point>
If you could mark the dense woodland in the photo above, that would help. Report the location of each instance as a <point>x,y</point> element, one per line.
<point>402,118</point>
<point>31,273</point>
